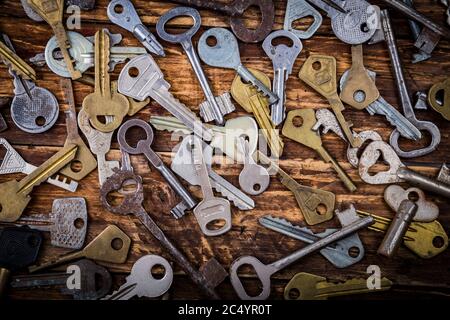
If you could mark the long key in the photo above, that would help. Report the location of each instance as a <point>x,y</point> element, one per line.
<point>185,39</point>
<point>14,163</point>
<point>305,135</point>
<point>316,205</point>
<point>208,277</point>
<point>142,78</point>
<point>142,283</point>
<point>299,9</point>
<point>144,147</point>
<point>15,63</point>
<point>253,179</point>
<point>123,13</point>
<point>264,272</point>
<point>111,245</point>
<point>283,58</point>
<point>225,54</point>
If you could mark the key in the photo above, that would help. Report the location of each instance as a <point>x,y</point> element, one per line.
<point>141,78</point>
<point>15,195</point>
<point>208,277</point>
<point>443,106</point>
<point>397,172</point>
<point>304,134</point>
<point>141,282</point>
<point>253,179</point>
<point>83,157</point>
<point>328,122</point>
<point>316,205</point>
<point>183,166</point>
<point>52,12</point>
<point>264,272</point>
<point>95,281</point>
<point>111,245</point>
<point>236,11</point>
<point>123,13</point>
<point>283,58</point>
<point>67,223</point>
<point>297,10</point>
<point>82,4</point>
<point>144,147</point>
<point>307,286</point>
<point>211,107</point>
<point>225,54</point>
<point>426,239</point>
<point>15,63</point>
<point>103,102</point>
<point>3,102</point>
<point>19,247</point>
<point>253,101</point>
<point>319,72</point>
<point>352,153</point>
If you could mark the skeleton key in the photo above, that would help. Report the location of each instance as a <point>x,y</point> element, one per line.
<point>305,135</point>
<point>253,179</point>
<point>52,12</point>
<point>443,106</point>
<point>319,72</point>
<point>15,195</point>
<point>299,9</point>
<point>111,245</point>
<point>283,58</point>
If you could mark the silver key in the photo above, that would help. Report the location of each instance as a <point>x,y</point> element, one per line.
<point>14,163</point>
<point>298,9</point>
<point>327,120</point>
<point>141,78</point>
<point>283,58</point>
<point>253,179</point>
<point>123,13</point>
<point>141,282</point>
<point>225,54</point>
<point>185,39</point>
<point>352,153</point>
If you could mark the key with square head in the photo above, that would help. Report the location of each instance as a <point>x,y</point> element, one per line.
<point>319,72</point>
<point>297,10</point>
<point>111,245</point>
<point>142,78</point>
<point>225,54</point>
<point>443,106</point>
<point>144,147</point>
<point>253,179</point>
<point>307,286</point>
<point>283,58</point>
<point>142,283</point>
<point>123,13</point>
<point>298,127</point>
<point>264,272</point>
<point>208,277</point>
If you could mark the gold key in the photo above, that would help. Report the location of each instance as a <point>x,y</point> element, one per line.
<point>14,195</point>
<point>426,239</point>
<point>13,61</point>
<point>52,12</point>
<point>443,107</point>
<point>255,102</point>
<point>298,127</point>
<point>360,89</point>
<point>317,205</point>
<point>134,105</point>
<point>103,102</point>
<point>307,286</point>
<point>112,245</point>
<point>319,72</point>
<point>84,156</point>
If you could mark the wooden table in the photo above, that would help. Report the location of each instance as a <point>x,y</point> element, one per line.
<point>411,275</point>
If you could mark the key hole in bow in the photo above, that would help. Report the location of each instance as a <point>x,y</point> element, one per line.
<point>297,121</point>
<point>216,224</point>
<point>438,242</point>
<point>180,24</point>
<point>252,17</point>
<point>379,166</point>
<point>78,223</point>
<point>359,96</point>
<point>294,294</point>
<point>134,135</point>
<point>354,252</point>
<point>118,8</point>
<point>252,288</point>
<point>76,166</point>
<point>40,121</point>
<point>117,244</point>
<point>282,40</point>
<point>409,145</point>
<point>303,23</point>
<point>115,198</point>
<point>321,209</point>
<point>440,97</point>
<point>158,271</point>
<point>413,196</point>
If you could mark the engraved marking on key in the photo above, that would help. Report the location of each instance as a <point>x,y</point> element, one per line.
<point>443,107</point>
<point>299,9</point>
<point>253,179</point>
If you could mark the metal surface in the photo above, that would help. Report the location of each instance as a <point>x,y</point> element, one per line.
<point>440,105</point>
<point>352,153</point>
<point>297,10</point>
<point>253,179</point>
<point>15,63</point>
<point>416,30</point>
<point>326,120</point>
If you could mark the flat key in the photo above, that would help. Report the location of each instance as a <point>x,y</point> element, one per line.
<point>443,106</point>
<point>352,153</point>
<point>253,179</point>
<point>283,58</point>
<point>15,63</point>
<point>299,9</point>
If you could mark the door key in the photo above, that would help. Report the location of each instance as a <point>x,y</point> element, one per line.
<point>253,179</point>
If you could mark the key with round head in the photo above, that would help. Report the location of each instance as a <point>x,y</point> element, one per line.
<point>299,9</point>
<point>253,179</point>
<point>443,107</point>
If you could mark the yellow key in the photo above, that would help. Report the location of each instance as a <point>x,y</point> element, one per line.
<point>17,64</point>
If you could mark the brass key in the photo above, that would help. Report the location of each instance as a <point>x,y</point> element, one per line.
<point>103,102</point>
<point>298,127</point>
<point>310,200</point>
<point>443,107</point>
<point>254,102</point>
<point>426,239</point>
<point>13,61</point>
<point>83,156</point>
<point>319,72</point>
<point>112,245</point>
<point>52,12</point>
<point>360,89</point>
<point>14,195</point>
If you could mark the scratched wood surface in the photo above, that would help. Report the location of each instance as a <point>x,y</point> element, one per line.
<point>411,275</point>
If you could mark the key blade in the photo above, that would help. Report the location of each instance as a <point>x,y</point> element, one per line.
<point>16,64</point>
<point>287,228</point>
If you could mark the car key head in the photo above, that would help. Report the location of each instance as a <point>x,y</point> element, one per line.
<point>174,13</point>
<point>224,53</point>
<point>19,247</point>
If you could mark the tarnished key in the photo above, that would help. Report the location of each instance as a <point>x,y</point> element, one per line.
<point>141,78</point>
<point>283,58</point>
<point>123,13</point>
<point>326,120</point>
<point>297,10</point>
<point>15,195</point>
<point>253,179</point>
<point>225,54</point>
<point>352,153</point>
<point>316,205</point>
<point>440,105</point>
<point>298,127</point>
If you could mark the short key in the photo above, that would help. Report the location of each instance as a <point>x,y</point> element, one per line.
<point>253,179</point>
<point>298,9</point>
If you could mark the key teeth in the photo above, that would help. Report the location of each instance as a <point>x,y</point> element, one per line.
<point>230,196</point>
<point>225,104</point>
<point>178,211</point>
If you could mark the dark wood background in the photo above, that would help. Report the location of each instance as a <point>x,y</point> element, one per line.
<point>411,275</point>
